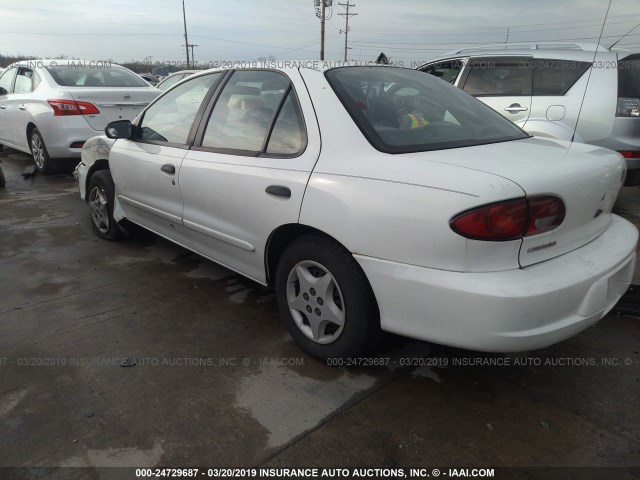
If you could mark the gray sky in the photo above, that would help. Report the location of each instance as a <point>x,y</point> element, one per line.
<point>225,30</point>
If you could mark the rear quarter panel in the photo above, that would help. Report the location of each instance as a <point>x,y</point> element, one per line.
<point>397,207</point>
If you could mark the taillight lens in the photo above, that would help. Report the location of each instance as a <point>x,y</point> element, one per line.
<point>510,220</point>
<point>628,107</point>
<point>630,153</point>
<point>71,107</point>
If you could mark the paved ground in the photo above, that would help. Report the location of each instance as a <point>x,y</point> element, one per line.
<point>218,382</point>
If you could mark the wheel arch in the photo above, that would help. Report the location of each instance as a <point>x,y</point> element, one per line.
<point>281,238</point>
<point>101,164</point>
<point>30,127</point>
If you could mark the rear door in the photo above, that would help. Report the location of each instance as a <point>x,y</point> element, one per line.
<point>147,169</point>
<point>248,171</point>
<point>502,83</point>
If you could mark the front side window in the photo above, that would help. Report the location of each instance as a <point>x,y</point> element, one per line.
<point>257,112</point>
<point>501,77</point>
<point>170,118</point>
<point>402,111</point>
<point>7,79</point>
<point>447,71</point>
<point>107,76</point>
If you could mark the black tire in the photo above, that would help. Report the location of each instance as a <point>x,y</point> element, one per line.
<point>40,155</point>
<point>360,329</point>
<point>2,180</point>
<point>100,190</point>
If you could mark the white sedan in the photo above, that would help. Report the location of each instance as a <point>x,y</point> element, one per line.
<point>372,199</point>
<point>49,108</point>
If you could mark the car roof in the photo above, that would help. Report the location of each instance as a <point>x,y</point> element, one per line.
<point>36,62</point>
<point>567,51</point>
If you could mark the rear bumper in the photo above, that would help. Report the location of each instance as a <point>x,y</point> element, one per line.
<point>61,132</point>
<point>514,310</point>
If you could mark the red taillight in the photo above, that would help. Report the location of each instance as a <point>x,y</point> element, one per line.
<point>71,107</point>
<point>630,153</point>
<point>545,213</point>
<point>511,219</point>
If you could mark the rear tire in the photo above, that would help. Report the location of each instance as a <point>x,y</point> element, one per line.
<point>39,152</point>
<point>100,198</point>
<point>325,299</point>
<point>2,180</point>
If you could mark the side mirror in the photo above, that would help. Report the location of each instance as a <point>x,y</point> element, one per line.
<point>3,91</point>
<point>118,129</point>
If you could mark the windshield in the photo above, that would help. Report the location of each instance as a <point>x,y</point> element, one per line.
<point>111,76</point>
<point>402,111</point>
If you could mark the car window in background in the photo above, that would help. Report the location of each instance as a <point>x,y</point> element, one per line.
<point>629,77</point>
<point>447,71</point>
<point>409,111</point>
<point>109,76</point>
<point>556,77</point>
<point>488,77</point>
<point>24,81</point>
<point>170,81</point>
<point>170,118</point>
<point>7,79</point>
<point>245,110</point>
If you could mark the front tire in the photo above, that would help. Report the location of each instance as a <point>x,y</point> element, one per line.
<point>325,299</point>
<point>100,200</point>
<point>39,152</point>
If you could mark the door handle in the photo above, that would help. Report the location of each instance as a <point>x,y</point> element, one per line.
<point>3,107</point>
<point>168,168</point>
<point>515,108</point>
<point>22,107</point>
<point>278,191</point>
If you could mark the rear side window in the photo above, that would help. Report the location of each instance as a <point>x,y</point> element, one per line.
<point>556,77</point>
<point>629,77</point>
<point>403,111</point>
<point>107,76</point>
<point>500,77</point>
<point>256,113</point>
<point>24,81</point>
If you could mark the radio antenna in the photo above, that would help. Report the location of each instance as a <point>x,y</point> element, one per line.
<point>595,54</point>
<point>638,25</point>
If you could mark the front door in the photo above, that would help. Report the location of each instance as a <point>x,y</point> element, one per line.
<point>147,168</point>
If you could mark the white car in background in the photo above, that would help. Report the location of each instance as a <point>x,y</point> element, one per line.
<point>372,198</point>
<point>49,108</point>
<point>174,78</point>
<point>582,92</point>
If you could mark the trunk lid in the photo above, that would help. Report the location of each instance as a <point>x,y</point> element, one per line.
<point>114,103</point>
<point>585,177</point>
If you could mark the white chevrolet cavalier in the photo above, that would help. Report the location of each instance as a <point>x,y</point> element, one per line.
<point>373,199</point>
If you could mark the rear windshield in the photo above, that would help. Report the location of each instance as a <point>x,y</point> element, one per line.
<point>629,77</point>
<point>402,111</point>
<point>108,76</point>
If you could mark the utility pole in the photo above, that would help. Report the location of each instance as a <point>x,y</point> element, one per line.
<point>346,16</point>
<point>322,14</point>
<point>507,39</point>
<point>193,57</point>
<point>186,38</point>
